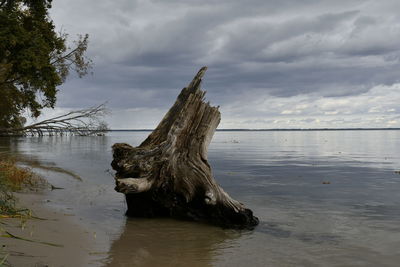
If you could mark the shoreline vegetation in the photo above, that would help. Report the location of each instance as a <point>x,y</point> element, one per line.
<point>35,60</point>
<point>18,178</point>
<point>31,233</point>
<point>13,179</point>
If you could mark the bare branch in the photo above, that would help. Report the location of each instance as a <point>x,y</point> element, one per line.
<point>79,122</point>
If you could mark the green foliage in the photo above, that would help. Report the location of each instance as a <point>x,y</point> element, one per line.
<point>34,59</point>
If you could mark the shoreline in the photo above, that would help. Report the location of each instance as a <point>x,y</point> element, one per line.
<point>70,244</point>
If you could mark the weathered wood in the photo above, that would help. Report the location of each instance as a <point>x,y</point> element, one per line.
<point>169,175</point>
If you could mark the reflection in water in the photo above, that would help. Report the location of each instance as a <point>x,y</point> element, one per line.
<point>353,221</point>
<point>10,149</point>
<point>7,145</point>
<point>166,242</point>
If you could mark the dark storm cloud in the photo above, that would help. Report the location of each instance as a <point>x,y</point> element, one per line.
<point>145,51</point>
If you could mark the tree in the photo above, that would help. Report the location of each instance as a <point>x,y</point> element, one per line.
<point>34,59</point>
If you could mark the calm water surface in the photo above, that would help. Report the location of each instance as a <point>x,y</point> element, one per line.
<point>324,198</point>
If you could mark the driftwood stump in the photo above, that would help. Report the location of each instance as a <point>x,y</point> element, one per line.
<point>168,174</point>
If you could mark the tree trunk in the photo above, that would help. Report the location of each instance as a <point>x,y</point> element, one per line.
<point>168,174</point>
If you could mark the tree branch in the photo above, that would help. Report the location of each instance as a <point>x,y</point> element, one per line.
<point>79,122</point>
<point>57,60</point>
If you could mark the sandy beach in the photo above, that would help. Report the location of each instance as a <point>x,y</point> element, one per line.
<point>69,243</point>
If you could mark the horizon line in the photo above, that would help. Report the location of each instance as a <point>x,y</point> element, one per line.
<point>269,130</point>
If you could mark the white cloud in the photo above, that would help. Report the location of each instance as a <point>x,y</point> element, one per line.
<point>375,108</point>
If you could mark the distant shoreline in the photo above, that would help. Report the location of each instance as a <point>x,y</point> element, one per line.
<point>273,130</point>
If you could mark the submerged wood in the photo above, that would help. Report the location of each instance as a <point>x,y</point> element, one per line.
<point>169,175</point>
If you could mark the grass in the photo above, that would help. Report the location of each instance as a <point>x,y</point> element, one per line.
<point>17,178</point>
<point>12,179</point>
<point>10,235</point>
<point>3,259</point>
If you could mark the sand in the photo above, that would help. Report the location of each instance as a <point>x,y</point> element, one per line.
<point>74,241</point>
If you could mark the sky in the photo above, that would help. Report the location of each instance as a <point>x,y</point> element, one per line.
<point>271,63</point>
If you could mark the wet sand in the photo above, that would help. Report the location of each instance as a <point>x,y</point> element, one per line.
<point>73,241</point>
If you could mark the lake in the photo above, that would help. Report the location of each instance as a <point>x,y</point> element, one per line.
<point>324,198</point>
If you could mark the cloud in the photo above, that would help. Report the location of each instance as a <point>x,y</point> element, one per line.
<point>376,108</point>
<point>146,51</point>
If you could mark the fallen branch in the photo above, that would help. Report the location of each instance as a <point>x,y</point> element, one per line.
<point>79,122</point>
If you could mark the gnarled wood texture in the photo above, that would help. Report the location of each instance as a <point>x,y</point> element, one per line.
<point>169,175</point>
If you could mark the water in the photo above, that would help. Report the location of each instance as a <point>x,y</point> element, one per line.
<point>324,198</point>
